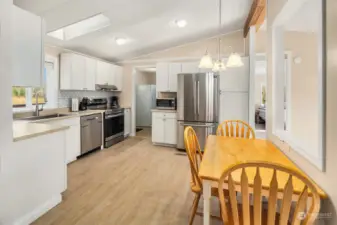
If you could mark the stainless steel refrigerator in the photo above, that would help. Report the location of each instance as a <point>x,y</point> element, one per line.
<point>197,105</point>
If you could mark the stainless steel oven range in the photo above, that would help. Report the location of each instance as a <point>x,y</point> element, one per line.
<point>113,126</point>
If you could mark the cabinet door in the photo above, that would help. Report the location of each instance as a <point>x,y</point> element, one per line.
<point>157,129</point>
<point>190,67</point>
<point>235,79</point>
<point>174,70</point>
<point>111,78</point>
<point>73,143</point>
<point>65,72</point>
<point>102,71</point>
<point>170,131</point>
<point>162,77</point>
<point>90,74</point>
<point>78,75</point>
<point>119,77</point>
<point>234,106</point>
<point>27,48</point>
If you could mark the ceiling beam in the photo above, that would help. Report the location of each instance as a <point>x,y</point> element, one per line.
<point>256,16</point>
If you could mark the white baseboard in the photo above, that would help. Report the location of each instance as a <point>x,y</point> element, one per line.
<point>39,211</point>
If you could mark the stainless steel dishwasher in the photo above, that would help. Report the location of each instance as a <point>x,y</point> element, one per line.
<point>91,132</point>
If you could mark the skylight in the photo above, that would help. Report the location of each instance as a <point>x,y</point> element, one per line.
<point>81,28</point>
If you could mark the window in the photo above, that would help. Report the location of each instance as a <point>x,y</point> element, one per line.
<point>42,98</point>
<point>19,97</point>
<point>297,76</point>
<point>24,98</point>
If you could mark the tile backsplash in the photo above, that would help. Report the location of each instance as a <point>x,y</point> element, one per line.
<point>64,97</point>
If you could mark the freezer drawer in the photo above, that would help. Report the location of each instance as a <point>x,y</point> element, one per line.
<point>202,131</point>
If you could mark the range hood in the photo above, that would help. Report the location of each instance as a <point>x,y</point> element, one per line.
<point>106,87</point>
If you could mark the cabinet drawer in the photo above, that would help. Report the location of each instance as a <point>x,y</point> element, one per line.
<point>170,115</point>
<point>163,115</point>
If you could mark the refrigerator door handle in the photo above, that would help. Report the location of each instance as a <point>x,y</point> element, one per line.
<point>198,96</point>
<point>195,100</point>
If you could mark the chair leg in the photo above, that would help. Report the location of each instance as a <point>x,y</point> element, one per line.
<point>194,208</point>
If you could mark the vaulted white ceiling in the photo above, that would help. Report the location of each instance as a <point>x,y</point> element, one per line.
<point>144,22</point>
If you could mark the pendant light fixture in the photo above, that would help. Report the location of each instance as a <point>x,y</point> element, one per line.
<point>219,65</point>
<point>234,60</point>
<point>206,61</point>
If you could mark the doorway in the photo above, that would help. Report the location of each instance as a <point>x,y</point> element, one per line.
<point>145,100</point>
<point>260,77</point>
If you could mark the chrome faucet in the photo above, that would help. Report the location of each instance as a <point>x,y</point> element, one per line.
<point>37,110</point>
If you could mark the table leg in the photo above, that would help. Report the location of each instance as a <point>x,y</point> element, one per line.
<point>207,201</point>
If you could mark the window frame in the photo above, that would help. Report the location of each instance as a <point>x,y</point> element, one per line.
<point>290,9</point>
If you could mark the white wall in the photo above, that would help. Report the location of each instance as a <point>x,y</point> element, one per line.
<point>327,180</point>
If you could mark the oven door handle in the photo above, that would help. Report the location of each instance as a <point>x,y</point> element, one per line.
<point>113,116</point>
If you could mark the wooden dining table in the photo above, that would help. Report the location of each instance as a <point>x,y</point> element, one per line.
<point>221,153</point>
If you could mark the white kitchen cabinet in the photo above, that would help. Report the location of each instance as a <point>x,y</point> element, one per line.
<point>102,72</point>
<point>127,122</point>
<point>119,77</point>
<point>73,137</point>
<point>158,128</point>
<point>174,70</point>
<point>190,67</point>
<point>27,48</point>
<point>164,128</point>
<point>78,75</point>
<point>162,77</point>
<point>105,73</point>
<point>90,73</point>
<point>77,72</point>
<point>235,79</point>
<point>166,77</point>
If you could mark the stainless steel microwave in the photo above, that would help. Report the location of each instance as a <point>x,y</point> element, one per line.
<point>166,103</point>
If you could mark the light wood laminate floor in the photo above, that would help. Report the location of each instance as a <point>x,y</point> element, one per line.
<point>131,183</point>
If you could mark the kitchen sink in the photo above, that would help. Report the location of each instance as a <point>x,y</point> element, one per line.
<point>43,117</point>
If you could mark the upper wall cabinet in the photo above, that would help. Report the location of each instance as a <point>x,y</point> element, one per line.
<point>79,72</point>
<point>27,48</point>
<point>109,74</point>
<point>166,77</point>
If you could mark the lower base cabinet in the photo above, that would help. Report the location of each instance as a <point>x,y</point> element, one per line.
<point>73,137</point>
<point>164,128</point>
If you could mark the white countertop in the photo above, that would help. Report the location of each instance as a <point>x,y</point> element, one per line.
<point>24,130</point>
<point>164,110</point>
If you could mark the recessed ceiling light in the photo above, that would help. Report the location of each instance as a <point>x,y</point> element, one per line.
<point>121,41</point>
<point>80,28</point>
<point>181,23</point>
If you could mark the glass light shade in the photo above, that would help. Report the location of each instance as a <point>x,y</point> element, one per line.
<point>206,62</point>
<point>218,66</point>
<point>234,60</point>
